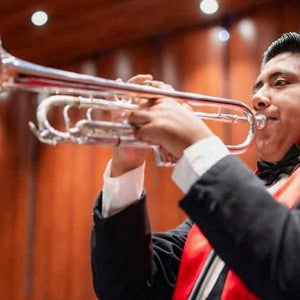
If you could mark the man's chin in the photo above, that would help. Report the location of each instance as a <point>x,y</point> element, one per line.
<point>268,154</point>
<point>265,151</point>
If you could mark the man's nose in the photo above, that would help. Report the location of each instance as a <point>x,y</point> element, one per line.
<point>260,101</point>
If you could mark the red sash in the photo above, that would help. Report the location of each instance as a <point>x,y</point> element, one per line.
<point>197,249</point>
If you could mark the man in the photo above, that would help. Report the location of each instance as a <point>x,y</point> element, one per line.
<point>249,243</point>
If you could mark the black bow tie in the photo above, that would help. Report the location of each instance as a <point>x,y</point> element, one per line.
<point>270,172</point>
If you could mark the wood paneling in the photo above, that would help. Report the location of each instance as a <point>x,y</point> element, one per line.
<point>69,180</point>
<point>81,29</point>
<point>16,196</point>
<point>192,65</point>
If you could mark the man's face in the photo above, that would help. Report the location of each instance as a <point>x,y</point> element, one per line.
<point>276,94</point>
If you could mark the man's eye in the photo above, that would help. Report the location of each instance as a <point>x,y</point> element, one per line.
<point>280,82</point>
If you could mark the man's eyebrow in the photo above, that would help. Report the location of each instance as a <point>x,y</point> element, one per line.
<point>278,73</point>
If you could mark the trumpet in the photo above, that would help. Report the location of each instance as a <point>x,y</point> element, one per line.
<point>68,90</point>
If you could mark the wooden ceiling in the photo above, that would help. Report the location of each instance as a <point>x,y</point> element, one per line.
<point>79,29</point>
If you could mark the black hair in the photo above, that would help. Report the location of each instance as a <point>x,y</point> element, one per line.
<point>287,42</point>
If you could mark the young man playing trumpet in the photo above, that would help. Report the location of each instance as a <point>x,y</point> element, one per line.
<point>242,238</point>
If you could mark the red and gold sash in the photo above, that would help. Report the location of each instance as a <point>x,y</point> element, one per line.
<point>197,249</point>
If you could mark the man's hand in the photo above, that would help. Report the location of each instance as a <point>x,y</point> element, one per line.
<point>170,124</point>
<point>128,158</point>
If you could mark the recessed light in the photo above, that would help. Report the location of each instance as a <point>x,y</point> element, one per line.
<point>223,35</point>
<point>209,7</point>
<point>39,18</point>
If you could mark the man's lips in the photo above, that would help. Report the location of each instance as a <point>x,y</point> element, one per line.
<point>268,116</point>
<point>263,119</point>
<point>272,118</point>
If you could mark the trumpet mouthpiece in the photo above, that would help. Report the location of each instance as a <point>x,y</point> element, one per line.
<point>261,121</point>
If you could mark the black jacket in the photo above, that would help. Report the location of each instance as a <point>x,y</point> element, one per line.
<point>256,236</point>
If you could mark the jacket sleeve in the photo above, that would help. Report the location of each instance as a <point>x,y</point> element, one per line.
<point>256,236</point>
<point>128,261</point>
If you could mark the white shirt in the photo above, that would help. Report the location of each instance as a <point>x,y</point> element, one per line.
<point>120,192</point>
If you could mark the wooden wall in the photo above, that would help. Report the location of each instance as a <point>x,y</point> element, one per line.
<point>47,193</point>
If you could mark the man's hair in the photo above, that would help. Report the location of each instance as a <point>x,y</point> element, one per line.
<point>287,42</point>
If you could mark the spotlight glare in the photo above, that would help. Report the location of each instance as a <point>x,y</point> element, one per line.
<point>39,18</point>
<point>209,7</point>
<point>223,35</point>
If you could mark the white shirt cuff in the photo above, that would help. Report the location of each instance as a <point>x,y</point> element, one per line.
<point>197,160</point>
<point>120,192</point>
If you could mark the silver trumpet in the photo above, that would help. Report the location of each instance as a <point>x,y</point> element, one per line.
<point>99,96</point>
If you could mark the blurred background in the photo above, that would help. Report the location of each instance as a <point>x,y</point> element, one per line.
<point>47,192</point>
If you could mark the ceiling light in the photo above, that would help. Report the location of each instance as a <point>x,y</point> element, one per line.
<point>39,18</point>
<point>223,35</point>
<point>209,7</point>
<point>247,30</point>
